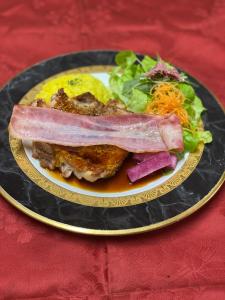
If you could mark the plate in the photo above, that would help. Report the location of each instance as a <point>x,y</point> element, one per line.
<point>111,207</point>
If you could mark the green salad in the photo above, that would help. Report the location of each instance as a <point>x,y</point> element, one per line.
<point>156,87</point>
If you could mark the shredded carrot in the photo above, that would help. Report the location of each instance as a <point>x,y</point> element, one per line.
<point>167,98</point>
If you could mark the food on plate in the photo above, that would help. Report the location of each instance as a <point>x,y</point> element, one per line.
<point>150,112</point>
<point>149,164</point>
<point>141,157</point>
<point>168,98</point>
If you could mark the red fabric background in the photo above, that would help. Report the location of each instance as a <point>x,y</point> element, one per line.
<point>184,261</point>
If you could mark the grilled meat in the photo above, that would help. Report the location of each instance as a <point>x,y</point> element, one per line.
<point>84,104</point>
<point>92,162</point>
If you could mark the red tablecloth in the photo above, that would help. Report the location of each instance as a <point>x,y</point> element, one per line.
<point>184,261</point>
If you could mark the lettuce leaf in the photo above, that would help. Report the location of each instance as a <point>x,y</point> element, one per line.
<point>125,58</point>
<point>198,108</point>
<point>148,63</point>
<point>195,133</point>
<point>187,90</point>
<point>142,85</point>
<point>205,136</point>
<point>193,138</point>
<point>126,80</point>
<point>137,101</point>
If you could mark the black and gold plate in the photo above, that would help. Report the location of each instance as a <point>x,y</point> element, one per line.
<point>146,207</point>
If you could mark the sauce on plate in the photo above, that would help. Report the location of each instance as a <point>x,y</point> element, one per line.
<point>118,183</point>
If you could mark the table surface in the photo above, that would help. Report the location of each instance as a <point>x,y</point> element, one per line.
<point>183,261</point>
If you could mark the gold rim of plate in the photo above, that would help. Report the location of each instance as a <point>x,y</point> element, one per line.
<point>89,231</point>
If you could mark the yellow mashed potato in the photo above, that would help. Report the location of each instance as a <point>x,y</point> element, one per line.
<point>74,85</point>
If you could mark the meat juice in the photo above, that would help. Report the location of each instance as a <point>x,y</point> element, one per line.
<point>118,183</point>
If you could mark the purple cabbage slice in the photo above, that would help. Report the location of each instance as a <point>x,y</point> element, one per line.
<point>173,159</point>
<point>146,167</point>
<point>149,163</point>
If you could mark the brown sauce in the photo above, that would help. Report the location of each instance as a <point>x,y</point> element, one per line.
<point>118,183</point>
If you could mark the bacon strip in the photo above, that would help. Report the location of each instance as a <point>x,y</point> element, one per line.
<point>132,132</point>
